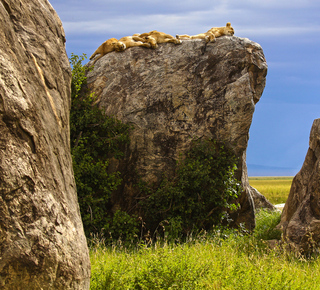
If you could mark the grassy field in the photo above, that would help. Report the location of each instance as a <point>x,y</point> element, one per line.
<point>275,189</point>
<point>220,260</point>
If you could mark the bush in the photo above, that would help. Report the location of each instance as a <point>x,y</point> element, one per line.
<point>200,193</point>
<point>123,227</point>
<point>95,138</point>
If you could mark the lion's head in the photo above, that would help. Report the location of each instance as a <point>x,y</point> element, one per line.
<point>152,41</point>
<point>228,30</point>
<point>119,46</point>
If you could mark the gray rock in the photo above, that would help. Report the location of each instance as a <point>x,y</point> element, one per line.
<point>300,219</point>
<point>259,200</point>
<point>42,243</point>
<point>178,93</point>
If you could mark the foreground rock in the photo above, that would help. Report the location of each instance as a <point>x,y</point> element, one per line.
<point>300,219</point>
<point>178,93</point>
<point>42,244</point>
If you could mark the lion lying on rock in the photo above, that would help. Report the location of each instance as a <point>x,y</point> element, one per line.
<point>155,37</point>
<point>109,45</point>
<point>207,36</point>
<point>133,41</point>
<point>220,31</point>
<point>211,34</point>
<point>123,43</point>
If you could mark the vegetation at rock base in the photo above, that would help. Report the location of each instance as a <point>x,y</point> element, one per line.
<point>222,259</point>
<point>95,138</point>
<point>195,199</point>
<point>198,196</point>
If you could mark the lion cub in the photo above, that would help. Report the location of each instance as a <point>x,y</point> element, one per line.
<point>211,34</point>
<point>155,37</point>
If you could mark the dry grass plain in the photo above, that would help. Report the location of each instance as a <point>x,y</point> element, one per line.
<point>275,189</point>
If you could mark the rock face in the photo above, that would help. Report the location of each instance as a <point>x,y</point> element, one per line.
<point>260,200</point>
<point>300,219</point>
<point>42,243</point>
<point>178,93</point>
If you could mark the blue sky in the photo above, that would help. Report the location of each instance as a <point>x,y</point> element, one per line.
<point>287,30</point>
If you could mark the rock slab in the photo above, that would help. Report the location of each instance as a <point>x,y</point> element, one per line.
<point>300,219</point>
<point>42,243</point>
<point>178,93</point>
<point>259,200</point>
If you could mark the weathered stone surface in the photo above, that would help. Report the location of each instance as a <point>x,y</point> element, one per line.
<point>259,200</point>
<point>42,243</point>
<point>177,93</point>
<point>300,219</point>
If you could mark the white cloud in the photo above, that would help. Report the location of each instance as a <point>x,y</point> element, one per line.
<point>250,18</point>
<point>280,31</point>
<point>279,4</point>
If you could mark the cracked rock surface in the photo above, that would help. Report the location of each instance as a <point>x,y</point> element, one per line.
<point>42,243</point>
<point>300,219</point>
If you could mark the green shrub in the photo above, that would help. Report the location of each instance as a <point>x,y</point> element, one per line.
<point>95,138</point>
<point>123,228</point>
<point>199,194</point>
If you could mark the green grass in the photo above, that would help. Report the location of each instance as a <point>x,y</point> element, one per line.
<point>220,260</point>
<point>275,189</point>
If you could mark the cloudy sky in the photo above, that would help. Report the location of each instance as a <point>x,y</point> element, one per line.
<point>287,30</point>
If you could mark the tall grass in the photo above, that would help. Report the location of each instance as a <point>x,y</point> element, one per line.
<point>275,189</point>
<point>220,260</point>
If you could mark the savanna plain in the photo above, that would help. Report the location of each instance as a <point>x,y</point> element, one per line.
<point>219,259</point>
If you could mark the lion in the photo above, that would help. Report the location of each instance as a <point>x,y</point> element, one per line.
<point>211,34</point>
<point>155,37</point>
<point>122,44</point>
<point>207,36</point>
<point>109,45</point>
<point>220,31</point>
<point>133,41</point>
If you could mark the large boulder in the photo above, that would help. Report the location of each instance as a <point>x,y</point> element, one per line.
<point>300,219</point>
<point>175,94</point>
<point>42,243</point>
